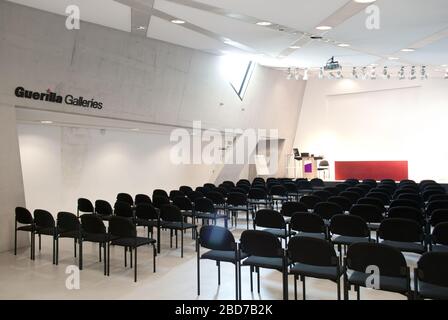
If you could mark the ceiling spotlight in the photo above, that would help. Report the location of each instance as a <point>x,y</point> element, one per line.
<point>446,75</point>
<point>393,58</point>
<point>364,75</point>
<point>407,50</point>
<point>343,45</point>
<point>135,129</point>
<point>373,74</point>
<point>386,74</point>
<point>413,74</point>
<point>423,74</point>
<point>294,47</point>
<point>339,74</point>
<point>321,73</point>
<point>364,1</point>
<point>289,76</point>
<point>264,23</point>
<point>305,75</point>
<point>324,28</point>
<point>46,122</point>
<point>297,73</point>
<point>178,21</point>
<point>141,28</point>
<point>355,73</point>
<point>444,65</point>
<point>401,75</point>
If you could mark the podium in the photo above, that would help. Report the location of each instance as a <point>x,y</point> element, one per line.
<point>309,167</point>
<point>302,165</point>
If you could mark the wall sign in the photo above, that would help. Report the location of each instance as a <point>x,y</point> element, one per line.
<point>49,96</point>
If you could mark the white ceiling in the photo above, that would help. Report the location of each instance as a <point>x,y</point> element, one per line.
<point>404,24</point>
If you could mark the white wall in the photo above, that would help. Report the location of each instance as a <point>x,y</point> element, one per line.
<point>377,120</point>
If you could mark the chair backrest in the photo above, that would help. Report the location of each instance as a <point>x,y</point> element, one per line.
<point>23,216</point>
<point>405,203</point>
<point>440,234</point>
<point>260,243</point>
<point>267,218</point>
<point>307,222</point>
<point>183,203</point>
<point>304,185</point>
<point>384,198</point>
<point>210,185</point>
<point>369,213</point>
<point>216,238</point>
<point>411,196</point>
<point>216,197</point>
<point>243,181</point>
<point>310,201</point>
<point>85,205</point>
<point>349,225</point>
<point>406,213</point>
<point>364,186</point>
<point>399,229</point>
<point>278,190</point>
<point>221,190</point>
<point>204,205</point>
<point>434,205</point>
<point>322,194</point>
<point>386,190</point>
<point>257,194</point>
<point>437,197</point>
<point>229,183</point>
<point>176,193</point>
<point>333,190</point>
<point>291,187</point>
<point>195,195</point>
<point>326,210</point>
<point>67,221</point>
<point>317,182</point>
<point>290,207</point>
<point>352,181</point>
<point>438,216</point>
<point>185,189</point>
<point>170,213</point>
<point>432,268</point>
<point>146,211</point>
<point>389,260</point>
<point>43,219</point>
<point>373,202</point>
<point>103,208</point>
<point>242,189</point>
<point>236,199</point>
<point>343,202</point>
<point>142,198</point>
<point>312,251</point>
<point>342,186</point>
<point>159,193</point>
<point>360,191</point>
<point>159,202</point>
<point>122,227</point>
<point>125,197</point>
<point>92,224</point>
<point>371,182</point>
<point>123,209</point>
<point>352,196</point>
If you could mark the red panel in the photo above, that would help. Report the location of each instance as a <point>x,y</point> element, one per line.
<point>378,170</point>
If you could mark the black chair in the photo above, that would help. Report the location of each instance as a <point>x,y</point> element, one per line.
<point>193,196</point>
<point>435,205</point>
<point>352,181</point>
<point>243,188</point>
<point>315,258</point>
<point>185,189</point>
<point>383,197</point>
<point>411,196</point>
<point>407,213</point>
<point>172,219</point>
<point>264,250</point>
<point>317,183</point>
<point>125,232</point>
<point>326,210</point>
<point>159,201</point>
<point>333,190</point>
<point>369,213</point>
<point>159,193</point>
<point>439,238</point>
<point>405,203</point>
<point>186,208</point>
<point>308,225</point>
<point>371,182</point>
<point>438,216</point>
<point>222,248</point>
<point>229,183</point>
<point>212,186</point>
<point>94,230</point>
<point>291,190</point>
<point>45,225</point>
<point>351,195</point>
<point>278,194</point>
<point>394,274</point>
<point>310,201</point>
<point>84,206</point>
<point>342,187</point>
<point>142,198</point>
<point>257,198</point>
<point>24,217</point>
<point>67,226</point>
<point>304,186</point>
<point>428,193</point>
<point>431,276</point>
<point>346,230</point>
<point>373,202</point>
<point>237,202</point>
<point>386,190</point>
<point>322,194</point>
<point>273,223</point>
<point>291,207</point>
<point>123,209</point>
<point>343,202</point>
<point>438,197</point>
<point>146,215</point>
<point>103,209</point>
<point>219,201</point>
<point>403,234</point>
<point>125,197</point>
<point>360,191</point>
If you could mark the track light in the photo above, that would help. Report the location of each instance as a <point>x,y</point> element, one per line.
<point>401,75</point>
<point>364,75</point>
<point>305,75</point>
<point>355,73</point>
<point>321,73</point>
<point>297,74</point>
<point>413,75</point>
<point>373,73</point>
<point>446,75</point>
<point>339,74</point>
<point>386,74</point>
<point>423,73</point>
<point>289,76</point>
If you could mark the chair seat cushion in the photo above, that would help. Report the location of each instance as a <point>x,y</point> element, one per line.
<point>373,226</point>
<point>176,225</point>
<point>406,246</point>
<point>432,291</point>
<point>439,248</point>
<point>218,255</point>
<point>187,213</point>
<point>394,284</point>
<point>311,235</point>
<point>237,208</point>
<point>264,262</point>
<point>307,270</point>
<point>146,223</point>
<point>105,218</point>
<point>133,242</point>
<point>349,240</point>
<point>69,234</point>
<point>28,228</point>
<point>46,231</point>
<point>98,237</point>
<point>210,216</point>
<point>280,232</point>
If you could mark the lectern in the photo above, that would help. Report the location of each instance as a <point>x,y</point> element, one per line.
<point>309,166</point>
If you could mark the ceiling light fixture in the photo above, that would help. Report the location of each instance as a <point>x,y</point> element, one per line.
<point>135,129</point>
<point>413,74</point>
<point>355,73</point>
<point>294,47</point>
<point>343,45</point>
<point>321,73</point>
<point>407,50</point>
<point>423,73</point>
<point>297,74</point>
<point>401,75</point>
<point>324,28</point>
<point>365,1</point>
<point>46,122</point>
<point>289,76</point>
<point>141,28</point>
<point>264,23</point>
<point>393,58</point>
<point>373,74</point>
<point>178,21</point>
<point>386,74</point>
<point>305,75</point>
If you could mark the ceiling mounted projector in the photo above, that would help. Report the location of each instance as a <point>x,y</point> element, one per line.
<point>332,65</point>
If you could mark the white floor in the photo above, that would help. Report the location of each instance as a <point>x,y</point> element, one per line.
<point>175,278</point>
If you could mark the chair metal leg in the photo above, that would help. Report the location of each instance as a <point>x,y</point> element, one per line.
<point>154,254</point>
<point>125,257</point>
<point>80,256</point>
<point>130,255</point>
<point>251,281</point>
<point>346,287</point>
<point>33,246</point>
<point>181,243</point>
<point>218,264</point>
<point>304,287</point>
<point>135,264</point>
<point>198,270</point>
<point>57,251</point>
<point>99,251</point>
<point>158,239</point>
<point>108,258</point>
<point>75,242</point>
<point>236,280</point>
<point>295,287</point>
<point>171,238</point>
<point>258,279</point>
<point>358,293</point>
<point>15,239</point>
<point>40,242</point>
<point>338,282</point>
<point>105,258</point>
<point>175,233</point>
